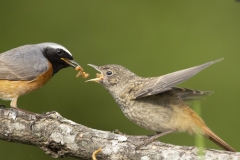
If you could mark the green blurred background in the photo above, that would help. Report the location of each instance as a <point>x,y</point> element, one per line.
<point>151,38</point>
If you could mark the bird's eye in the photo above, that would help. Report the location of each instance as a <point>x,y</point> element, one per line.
<point>109,73</point>
<point>59,52</point>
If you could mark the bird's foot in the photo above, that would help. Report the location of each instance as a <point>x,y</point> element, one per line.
<point>118,132</point>
<point>25,111</point>
<point>147,141</point>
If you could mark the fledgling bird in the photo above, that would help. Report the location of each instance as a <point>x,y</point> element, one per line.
<point>27,68</point>
<point>155,103</point>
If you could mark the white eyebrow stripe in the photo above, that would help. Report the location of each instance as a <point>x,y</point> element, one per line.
<point>56,46</point>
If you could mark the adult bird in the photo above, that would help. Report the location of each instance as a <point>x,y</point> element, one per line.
<point>27,68</point>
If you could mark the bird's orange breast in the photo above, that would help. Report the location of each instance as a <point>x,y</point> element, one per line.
<point>13,89</point>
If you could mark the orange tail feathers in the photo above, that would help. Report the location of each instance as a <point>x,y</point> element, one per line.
<point>206,131</point>
<point>217,140</point>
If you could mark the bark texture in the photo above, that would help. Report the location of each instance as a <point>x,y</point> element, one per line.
<point>60,137</point>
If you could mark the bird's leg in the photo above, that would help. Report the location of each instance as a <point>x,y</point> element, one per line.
<point>13,104</point>
<point>152,138</point>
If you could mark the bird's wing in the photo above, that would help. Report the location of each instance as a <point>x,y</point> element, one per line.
<point>17,64</point>
<point>189,94</point>
<point>166,82</point>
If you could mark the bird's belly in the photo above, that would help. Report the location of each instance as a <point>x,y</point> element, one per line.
<point>152,118</point>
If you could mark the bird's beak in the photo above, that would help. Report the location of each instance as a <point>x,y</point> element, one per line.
<point>99,76</point>
<point>71,63</point>
<point>77,67</point>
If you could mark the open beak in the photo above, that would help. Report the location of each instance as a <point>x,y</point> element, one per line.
<point>71,63</point>
<point>99,76</point>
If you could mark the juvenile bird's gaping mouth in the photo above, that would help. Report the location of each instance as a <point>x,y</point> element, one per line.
<point>99,76</point>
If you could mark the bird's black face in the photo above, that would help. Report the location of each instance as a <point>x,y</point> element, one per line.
<point>59,58</point>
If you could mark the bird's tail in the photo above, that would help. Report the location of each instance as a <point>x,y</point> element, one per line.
<point>206,131</point>
<point>217,140</point>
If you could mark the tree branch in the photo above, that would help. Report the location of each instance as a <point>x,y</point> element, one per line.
<point>60,137</point>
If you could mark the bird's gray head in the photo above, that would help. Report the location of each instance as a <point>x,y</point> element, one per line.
<point>112,76</point>
<point>57,55</point>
